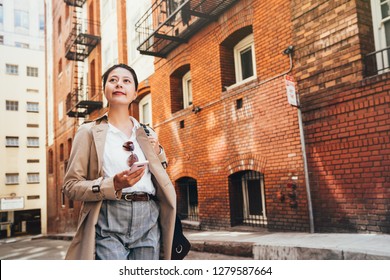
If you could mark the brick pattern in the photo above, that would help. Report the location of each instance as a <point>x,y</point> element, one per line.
<point>346,117</point>
<point>262,136</point>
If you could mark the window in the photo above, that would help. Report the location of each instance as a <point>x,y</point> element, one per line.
<point>187,89</point>
<point>11,178</point>
<point>30,90</point>
<point>59,25</point>
<point>60,66</point>
<point>32,71</point>
<point>69,146</point>
<point>42,22</point>
<point>22,45</point>
<point>12,69</point>
<point>247,198</point>
<point>11,105</point>
<point>51,162</point>
<point>32,178</point>
<point>180,88</point>
<point>1,13</point>
<point>187,207</point>
<point>33,142</point>
<point>145,110</point>
<point>12,141</point>
<point>61,152</point>
<point>381,26</point>
<point>21,19</point>
<point>33,107</point>
<point>244,59</point>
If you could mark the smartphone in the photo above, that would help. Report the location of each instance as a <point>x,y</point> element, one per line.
<point>137,165</point>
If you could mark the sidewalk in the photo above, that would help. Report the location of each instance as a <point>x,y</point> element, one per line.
<point>293,245</point>
<point>278,245</point>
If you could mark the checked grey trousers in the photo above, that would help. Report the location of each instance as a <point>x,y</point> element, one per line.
<point>128,231</point>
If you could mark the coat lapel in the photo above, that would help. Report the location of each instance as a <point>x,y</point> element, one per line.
<point>99,133</point>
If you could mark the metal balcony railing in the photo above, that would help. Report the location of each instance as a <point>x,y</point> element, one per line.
<point>80,103</point>
<point>377,62</point>
<point>82,40</point>
<point>169,23</point>
<point>75,3</point>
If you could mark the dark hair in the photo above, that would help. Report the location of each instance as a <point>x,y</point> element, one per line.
<point>120,65</point>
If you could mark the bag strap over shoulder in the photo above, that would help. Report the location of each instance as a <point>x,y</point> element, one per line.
<point>147,131</point>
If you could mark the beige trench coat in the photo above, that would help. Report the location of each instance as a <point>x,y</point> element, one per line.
<point>85,170</point>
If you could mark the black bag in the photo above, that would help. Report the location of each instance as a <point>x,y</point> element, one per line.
<point>180,245</point>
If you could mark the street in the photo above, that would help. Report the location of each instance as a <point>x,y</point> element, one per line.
<point>50,249</point>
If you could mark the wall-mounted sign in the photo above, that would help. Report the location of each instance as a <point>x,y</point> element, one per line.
<point>291,91</point>
<point>11,203</point>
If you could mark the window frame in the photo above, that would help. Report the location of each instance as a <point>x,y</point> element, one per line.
<point>146,100</point>
<point>244,44</point>
<point>32,142</point>
<point>12,182</point>
<point>379,34</point>
<point>23,18</point>
<point>32,71</point>
<point>187,90</point>
<point>10,143</point>
<point>12,69</point>
<point>32,107</point>
<point>33,178</point>
<point>12,105</point>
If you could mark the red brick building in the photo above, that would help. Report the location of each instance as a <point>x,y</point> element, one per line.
<point>233,141</point>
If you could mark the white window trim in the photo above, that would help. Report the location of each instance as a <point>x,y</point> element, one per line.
<point>248,41</point>
<point>186,91</point>
<point>146,100</point>
<point>379,31</point>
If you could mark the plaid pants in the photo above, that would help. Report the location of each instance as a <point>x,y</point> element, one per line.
<point>128,231</point>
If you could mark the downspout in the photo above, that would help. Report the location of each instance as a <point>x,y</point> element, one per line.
<point>289,51</point>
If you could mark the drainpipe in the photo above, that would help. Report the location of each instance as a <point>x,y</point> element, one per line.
<point>307,183</point>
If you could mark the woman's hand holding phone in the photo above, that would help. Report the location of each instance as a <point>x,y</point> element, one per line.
<point>130,177</point>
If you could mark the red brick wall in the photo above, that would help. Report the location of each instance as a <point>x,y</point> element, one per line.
<point>263,135</point>
<point>346,116</point>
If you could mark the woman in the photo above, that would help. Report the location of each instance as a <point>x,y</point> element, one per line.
<point>120,211</point>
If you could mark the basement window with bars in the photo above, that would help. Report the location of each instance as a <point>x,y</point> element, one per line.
<point>247,199</point>
<point>187,202</point>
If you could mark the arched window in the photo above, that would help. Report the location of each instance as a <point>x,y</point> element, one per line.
<point>181,88</point>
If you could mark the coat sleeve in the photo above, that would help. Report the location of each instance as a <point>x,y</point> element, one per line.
<point>79,184</point>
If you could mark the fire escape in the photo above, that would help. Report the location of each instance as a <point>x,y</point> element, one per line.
<point>169,23</point>
<point>81,41</point>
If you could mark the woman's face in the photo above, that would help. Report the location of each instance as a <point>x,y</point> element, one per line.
<point>120,87</point>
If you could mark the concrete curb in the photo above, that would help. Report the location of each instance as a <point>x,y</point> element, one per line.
<point>241,249</point>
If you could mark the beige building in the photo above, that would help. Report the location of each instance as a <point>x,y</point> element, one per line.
<point>23,130</point>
